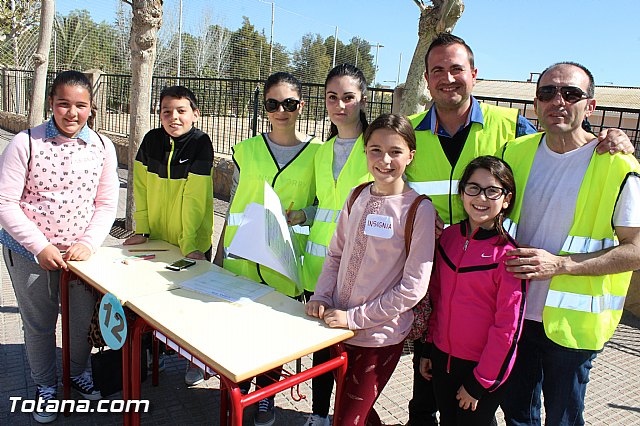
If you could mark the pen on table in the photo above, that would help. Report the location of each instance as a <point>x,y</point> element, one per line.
<point>145,250</point>
<point>139,257</point>
<point>289,209</point>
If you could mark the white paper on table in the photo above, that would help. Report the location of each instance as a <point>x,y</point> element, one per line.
<point>227,287</point>
<point>264,237</point>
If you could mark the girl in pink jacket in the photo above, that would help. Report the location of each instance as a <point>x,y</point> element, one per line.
<point>58,200</point>
<point>369,282</point>
<point>478,307</point>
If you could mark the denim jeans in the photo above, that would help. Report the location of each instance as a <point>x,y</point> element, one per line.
<point>543,366</point>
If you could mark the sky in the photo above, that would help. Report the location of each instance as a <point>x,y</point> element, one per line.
<point>510,38</point>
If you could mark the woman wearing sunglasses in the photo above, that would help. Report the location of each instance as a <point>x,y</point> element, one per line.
<point>283,158</point>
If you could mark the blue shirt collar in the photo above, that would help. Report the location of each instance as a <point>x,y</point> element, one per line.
<point>430,120</point>
<point>52,131</point>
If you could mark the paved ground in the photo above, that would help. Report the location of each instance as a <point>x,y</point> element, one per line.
<point>613,396</point>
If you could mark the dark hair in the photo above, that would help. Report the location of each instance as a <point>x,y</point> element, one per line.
<point>75,78</point>
<point>348,70</point>
<point>447,39</point>
<point>395,122</point>
<point>71,78</point>
<point>591,89</point>
<point>179,92</point>
<point>282,77</point>
<point>503,173</point>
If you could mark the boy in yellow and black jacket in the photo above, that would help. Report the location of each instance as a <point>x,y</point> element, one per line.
<point>173,186</point>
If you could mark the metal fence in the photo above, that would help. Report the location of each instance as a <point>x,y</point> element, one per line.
<point>15,90</point>
<point>231,109</point>
<point>626,119</point>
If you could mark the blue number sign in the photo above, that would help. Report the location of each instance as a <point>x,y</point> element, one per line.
<point>112,321</point>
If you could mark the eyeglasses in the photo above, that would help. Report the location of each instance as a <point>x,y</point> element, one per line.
<point>289,104</point>
<point>491,192</point>
<point>570,94</point>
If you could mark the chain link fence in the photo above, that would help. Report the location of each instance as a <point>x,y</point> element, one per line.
<point>245,39</point>
<point>222,50</point>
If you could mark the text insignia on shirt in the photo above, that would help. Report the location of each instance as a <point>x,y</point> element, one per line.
<point>378,226</point>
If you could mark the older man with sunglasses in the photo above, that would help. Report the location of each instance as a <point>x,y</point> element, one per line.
<point>583,212</point>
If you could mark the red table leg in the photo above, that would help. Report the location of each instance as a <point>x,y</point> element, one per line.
<point>155,354</point>
<point>134,373</point>
<point>126,370</point>
<point>230,392</point>
<point>224,404</point>
<point>232,413</point>
<point>341,372</point>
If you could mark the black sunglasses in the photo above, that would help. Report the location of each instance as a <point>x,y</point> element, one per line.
<point>571,94</point>
<point>289,104</point>
<point>491,192</point>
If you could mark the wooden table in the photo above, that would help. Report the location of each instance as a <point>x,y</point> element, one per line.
<point>237,341</point>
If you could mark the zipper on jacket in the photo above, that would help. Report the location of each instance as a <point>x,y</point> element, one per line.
<point>168,185</point>
<point>455,284</point>
<point>170,158</point>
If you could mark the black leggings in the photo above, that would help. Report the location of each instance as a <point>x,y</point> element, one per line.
<point>321,386</point>
<point>446,385</point>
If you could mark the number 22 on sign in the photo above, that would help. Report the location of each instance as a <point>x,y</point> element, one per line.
<point>112,321</point>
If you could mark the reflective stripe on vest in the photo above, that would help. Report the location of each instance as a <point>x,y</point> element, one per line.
<point>301,230</point>
<point>434,175</point>
<point>325,215</point>
<point>234,219</point>
<point>316,249</point>
<point>586,245</point>
<point>584,302</point>
<point>510,226</point>
<point>440,187</point>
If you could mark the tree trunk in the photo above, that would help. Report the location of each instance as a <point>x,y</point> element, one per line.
<point>146,21</point>
<point>440,17</point>
<point>41,62</point>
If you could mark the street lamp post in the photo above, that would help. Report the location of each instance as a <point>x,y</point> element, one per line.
<point>179,43</point>
<point>375,72</point>
<point>375,69</point>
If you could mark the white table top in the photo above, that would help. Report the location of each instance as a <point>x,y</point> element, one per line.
<point>105,270</point>
<point>237,340</point>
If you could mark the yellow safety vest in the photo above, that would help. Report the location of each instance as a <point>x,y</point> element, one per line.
<point>430,172</point>
<point>293,183</point>
<point>331,195</point>
<point>581,312</point>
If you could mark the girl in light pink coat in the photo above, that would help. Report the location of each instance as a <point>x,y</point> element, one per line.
<point>369,283</point>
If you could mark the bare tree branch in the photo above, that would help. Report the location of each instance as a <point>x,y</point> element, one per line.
<point>146,21</point>
<point>41,61</point>
<point>440,16</point>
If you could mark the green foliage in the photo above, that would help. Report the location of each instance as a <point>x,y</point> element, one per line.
<point>17,17</point>
<point>357,52</point>
<point>213,51</point>
<point>311,62</point>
